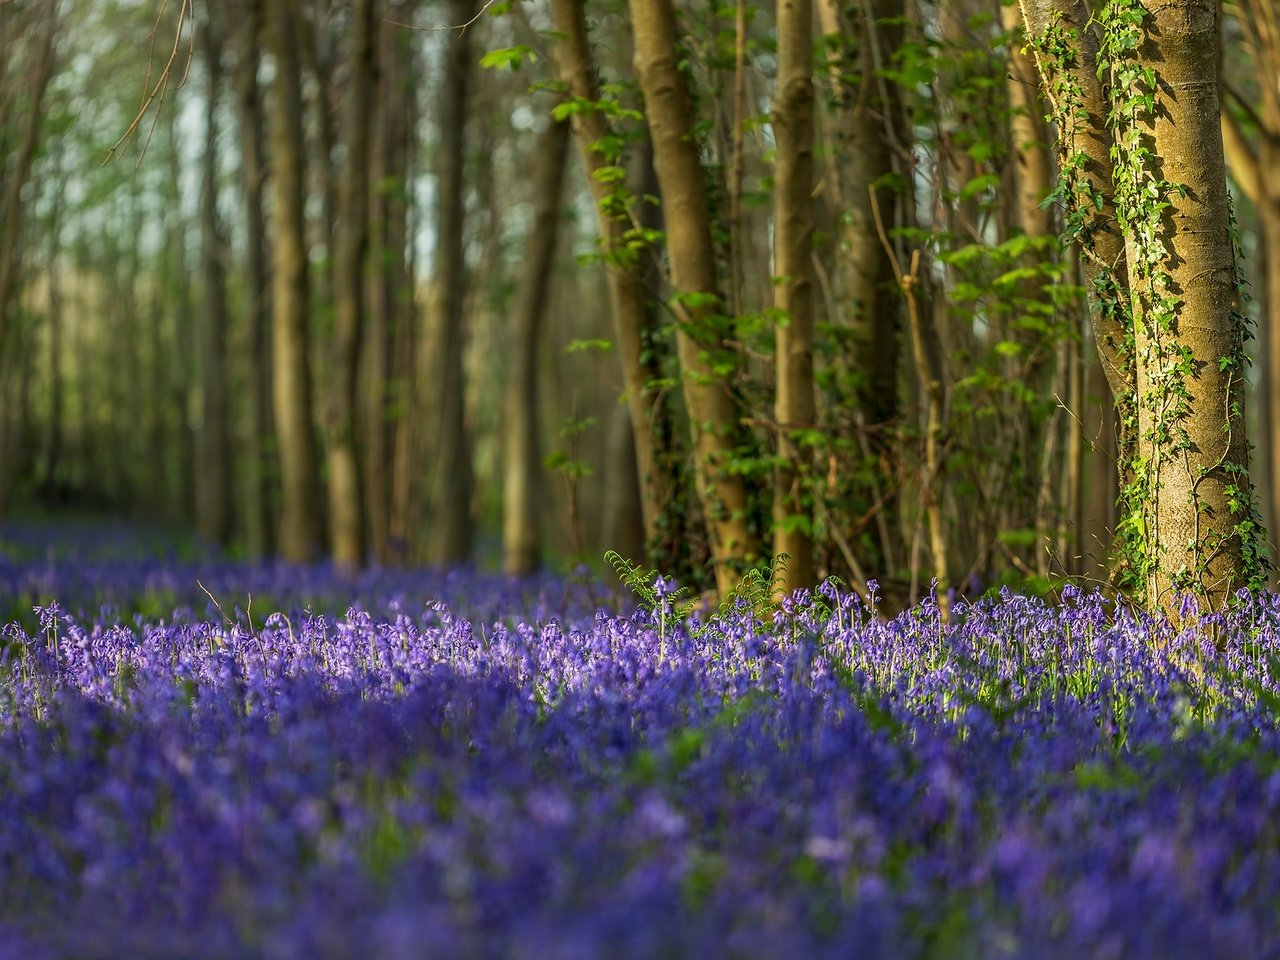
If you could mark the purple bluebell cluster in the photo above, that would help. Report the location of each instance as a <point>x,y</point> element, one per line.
<point>402,781</point>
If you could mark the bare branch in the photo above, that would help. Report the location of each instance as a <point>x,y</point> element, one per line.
<point>154,95</point>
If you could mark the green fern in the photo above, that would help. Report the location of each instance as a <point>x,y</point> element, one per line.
<point>643,583</point>
<point>760,587</point>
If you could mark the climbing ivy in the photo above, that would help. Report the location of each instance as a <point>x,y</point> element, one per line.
<point>1162,407</point>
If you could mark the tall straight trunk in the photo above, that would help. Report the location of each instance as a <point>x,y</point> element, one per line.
<point>521,462</point>
<point>346,501</point>
<point>12,206</point>
<point>629,294</point>
<point>178,373</point>
<point>1269,212</point>
<point>864,121</point>
<point>389,282</point>
<point>213,439</point>
<point>713,410</point>
<point>1032,170</point>
<point>300,521</point>
<point>51,480</point>
<point>622,525</point>
<point>1100,522</point>
<point>794,406</point>
<point>450,530</point>
<point>257,496</point>
<point>1253,168</point>
<point>1192,450</point>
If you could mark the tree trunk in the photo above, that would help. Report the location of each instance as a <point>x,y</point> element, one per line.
<point>390,288</point>
<point>346,501</point>
<point>213,440</point>
<point>1199,528</point>
<point>450,531</point>
<point>1269,217</point>
<point>257,491</point>
<point>794,407</point>
<point>39,70</point>
<point>713,411</point>
<point>521,462</point>
<point>300,522</point>
<point>629,294</point>
<point>868,302</point>
<point>1085,144</point>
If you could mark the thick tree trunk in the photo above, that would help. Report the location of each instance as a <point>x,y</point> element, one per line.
<point>213,438</point>
<point>257,490</point>
<point>346,501</point>
<point>300,522</point>
<point>1192,451</point>
<point>521,462</point>
<point>450,530</point>
<point>713,411</point>
<point>794,407</point>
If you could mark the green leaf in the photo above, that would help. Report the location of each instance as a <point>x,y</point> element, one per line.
<point>508,58</point>
<point>585,346</point>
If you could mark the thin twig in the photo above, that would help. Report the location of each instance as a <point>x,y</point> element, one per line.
<point>461,27</point>
<point>155,95</point>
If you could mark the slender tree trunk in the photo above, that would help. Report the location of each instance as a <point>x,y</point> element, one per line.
<point>213,440</point>
<point>1083,133</point>
<point>346,501</point>
<point>450,531</point>
<point>39,71</point>
<point>1269,215</point>
<point>521,462</point>
<point>389,285</point>
<point>629,294</point>
<point>794,406</point>
<point>713,411</point>
<point>56,432</point>
<point>1033,181</point>
<point>177,374</point>
<point>864,116</point>
<point>257,496</point>
<point>300,523</point>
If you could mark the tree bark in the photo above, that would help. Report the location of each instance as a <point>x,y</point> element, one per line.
<point>1085,145</point>
<point>390,287</point>
<point>256,497</point>
<point>12,207</point>
<point>629,294</point>
<point>346,500</point>
<point>1192,450</point>
<point>521,462</point>
<point>794,406</point>
<point>300,522</point>
<point>213,439</point>
<point>713,411</point>
<point>450,531</point>
<point>861,153</point>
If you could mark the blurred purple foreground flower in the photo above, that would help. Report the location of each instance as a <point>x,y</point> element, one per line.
<point>548,780</point>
